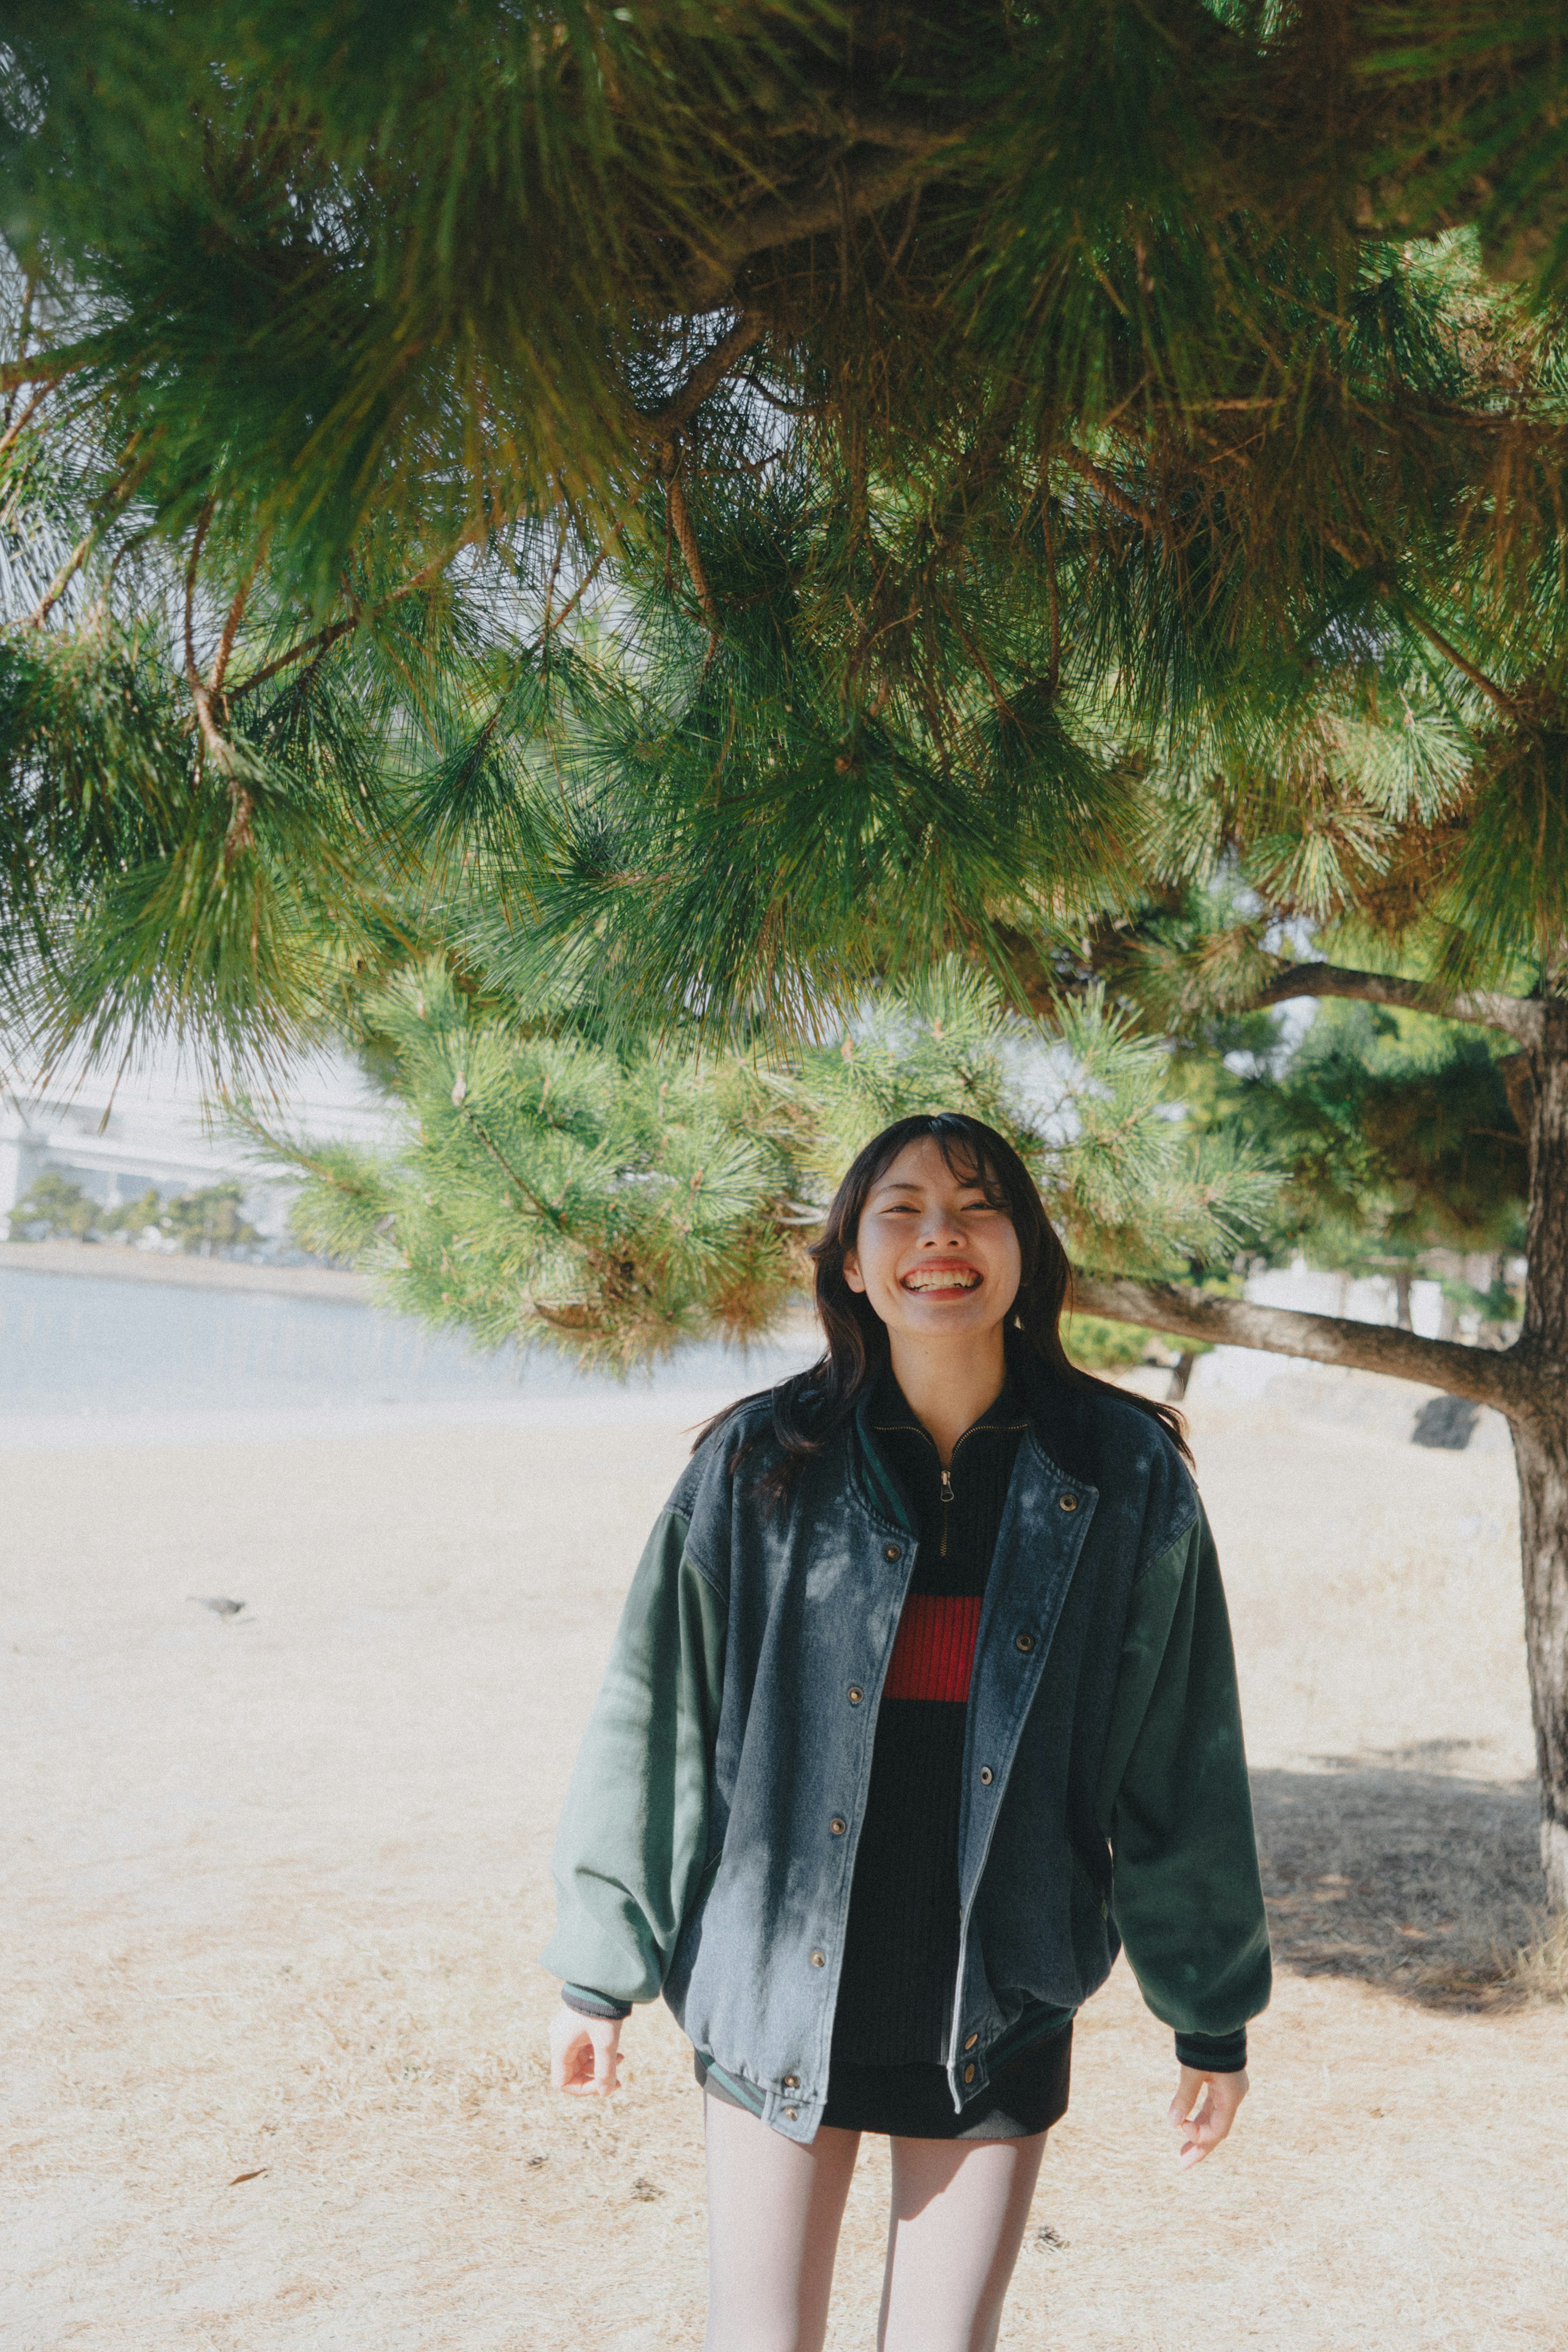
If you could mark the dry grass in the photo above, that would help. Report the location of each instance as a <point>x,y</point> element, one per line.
<point>1539,1971</point>
<point>278,1888</point>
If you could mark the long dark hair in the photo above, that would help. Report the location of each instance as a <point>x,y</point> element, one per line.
<point>809,1409</point>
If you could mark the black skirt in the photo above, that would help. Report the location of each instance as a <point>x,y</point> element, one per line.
<point>1025,2096</point>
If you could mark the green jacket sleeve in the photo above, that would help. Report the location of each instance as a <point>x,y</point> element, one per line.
<point>632,1839</point>
<point>1175,1804</point>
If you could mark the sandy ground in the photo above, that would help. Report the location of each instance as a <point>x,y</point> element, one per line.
<point>274,1890</point>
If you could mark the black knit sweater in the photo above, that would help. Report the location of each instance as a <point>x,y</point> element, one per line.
<point>901,1952</point>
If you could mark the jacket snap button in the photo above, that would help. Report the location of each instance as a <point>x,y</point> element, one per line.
<point>986,1776</point>
<point>892,1551</point>
<point>1025,1642</point>
<point>838,1825</point>
<point>791,2115</point>
<point>971,2040</point>
<point>819,1960</point>
<point>791,2082</point>
<point>1067,1502</point>
<point>968,2074</point>
<point>856,1693</point>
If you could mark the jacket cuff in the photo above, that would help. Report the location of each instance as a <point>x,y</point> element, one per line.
<point>593,2004</point>
<point>1213,2054</point>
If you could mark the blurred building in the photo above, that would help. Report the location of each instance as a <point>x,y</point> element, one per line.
<point>155,1128</point>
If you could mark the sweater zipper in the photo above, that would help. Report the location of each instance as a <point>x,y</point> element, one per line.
<point>915,1429</point>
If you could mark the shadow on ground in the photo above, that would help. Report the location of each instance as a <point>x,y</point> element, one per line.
<point>1412,1877</point>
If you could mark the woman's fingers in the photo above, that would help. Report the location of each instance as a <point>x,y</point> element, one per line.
<point>1203,2111</point>
<point>606,2057</point>
<point>566,2042</point>
<point>585,2053</point>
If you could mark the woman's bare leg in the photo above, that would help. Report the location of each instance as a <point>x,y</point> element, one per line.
<point>958,2212</point>
<point>774,2210</point>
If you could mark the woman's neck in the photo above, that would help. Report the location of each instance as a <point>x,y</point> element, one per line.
<point>949,1384</point>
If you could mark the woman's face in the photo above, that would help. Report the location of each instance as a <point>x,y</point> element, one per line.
<point>932,1255</point>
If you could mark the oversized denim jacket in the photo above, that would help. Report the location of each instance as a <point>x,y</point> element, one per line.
<point>1105,1798</point>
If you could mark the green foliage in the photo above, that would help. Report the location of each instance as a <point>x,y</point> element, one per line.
<point>1102,1347</point>
<point>618,1200</point>
<point>1393,1132</point>
<point>53,1208</point>
<point>1401,1126</point>
<point>938,471</point>
<point>203,1223</point>
<point>292,232</point>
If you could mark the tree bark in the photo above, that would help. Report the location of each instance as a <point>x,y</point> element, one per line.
<point>1519,1017</point>
<point>1494,1377</point>
<point>1540,1440</point>
<point>1541,1458</point>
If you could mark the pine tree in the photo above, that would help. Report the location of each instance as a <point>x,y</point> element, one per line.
<point>711,508</point>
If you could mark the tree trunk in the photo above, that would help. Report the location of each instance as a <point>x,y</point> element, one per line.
<point>1528,1381</point>
<point>1540,1440</point>
<point>1541,1455</point>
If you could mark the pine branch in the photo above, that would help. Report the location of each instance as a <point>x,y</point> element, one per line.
<point>238,836</point>
<point>323,638</point>
<point>1109,490</point>
<point>686,539</point>
<point>838,191</point>
<point>62,579</point>
<point>525,1191</point>
<point>1501,1378</point>
<point>15,431</point>
<point>1466,667</point>
<point>24,336</point>
<point>1519,1016</point>
<point>708,373</point>
<point>129,480</point>
<point>50,367</point>
<point>319,643</point>
<point>231,624</point>
<point>907,134</point>
<point>203,524</point>
<point>1384,578</point>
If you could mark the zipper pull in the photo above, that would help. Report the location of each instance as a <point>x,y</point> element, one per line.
<point>947,1498</point>
<point>946,1485</point>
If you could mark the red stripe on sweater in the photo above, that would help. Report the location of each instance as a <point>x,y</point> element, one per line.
<point>934,1651</point>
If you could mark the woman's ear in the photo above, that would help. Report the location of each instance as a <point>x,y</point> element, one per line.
<point>853,1274</point>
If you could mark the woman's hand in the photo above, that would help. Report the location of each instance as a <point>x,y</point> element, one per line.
<point>585,2053</point>
<point>1203,2111</point>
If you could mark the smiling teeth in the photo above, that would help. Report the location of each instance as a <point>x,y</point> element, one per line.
<point>936,1281</point>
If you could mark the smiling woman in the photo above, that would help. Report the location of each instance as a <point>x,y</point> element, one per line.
<point>936,1253</point>
<point>939,1258</point>
<point>923,1702</point>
